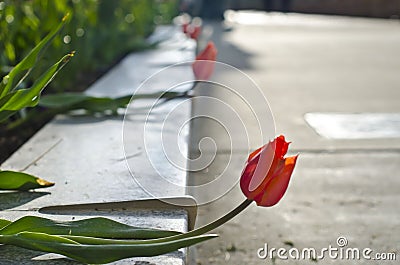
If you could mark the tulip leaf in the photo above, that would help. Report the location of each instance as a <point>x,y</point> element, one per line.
<point>62,100</point>
<point>12,97</point>
<point>13,180</point>
<point>4,223</point>
<point>5,114</point>
<point>93,240</point>
<point>92,227</point>
<point>74,101</point>
<point>96,254</point>
<point>29,61</point>
<point>29,97</point>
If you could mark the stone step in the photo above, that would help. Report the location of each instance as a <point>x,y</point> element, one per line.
<point>84,156</point>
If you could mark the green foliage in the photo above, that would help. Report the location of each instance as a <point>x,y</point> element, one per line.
<point>4,223</point>
<point>93,240</point>
<point>92,227</point>
<point>100,31</point>
<point>12,97</point>
<point>12,180</point>
<point>92,104</point>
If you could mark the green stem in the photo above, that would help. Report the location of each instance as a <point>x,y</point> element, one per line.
<point>204,229</point>
<point>218,222</point>
<point>197,232</point>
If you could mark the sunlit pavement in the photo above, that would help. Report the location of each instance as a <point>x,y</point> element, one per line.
<point>341,187</point>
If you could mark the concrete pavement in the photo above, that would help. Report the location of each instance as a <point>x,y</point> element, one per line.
<point>349,188</point>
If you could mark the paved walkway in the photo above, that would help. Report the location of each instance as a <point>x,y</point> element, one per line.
<point>349,188</point>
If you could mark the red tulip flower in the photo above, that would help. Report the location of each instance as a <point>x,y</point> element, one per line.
<point>203,67</point>
<point>264,180</point>
<point>266,175</point>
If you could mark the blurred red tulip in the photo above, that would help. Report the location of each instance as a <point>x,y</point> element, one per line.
<point>185,27</point>
<point>203,67</point>
<point>184,20</point>
<point>267,173</point>
<point>195,28</point>
<point>194,31</point>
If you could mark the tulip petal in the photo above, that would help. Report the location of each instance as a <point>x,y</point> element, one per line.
<point>281,146</point>
<point>265,168</point>
<point>253,154</point>
<point>209,53</point>
<point>203,69</point>
<point>195,32</point>
<point>247,174</point>
<point>204,65</point>
<point>276,188</point>
<point>267,173</point>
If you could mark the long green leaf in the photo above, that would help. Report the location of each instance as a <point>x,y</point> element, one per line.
<point>97,254</point>
<point>91,240</point>
<point>13,180</point>
<point>22,98</point>
<point>5,114</point>
<point>74,101</point>
<point>4,223</point>
<point>6,85</point>
<point>92,227</point>
<point>62,100</point>
<point>30,97</point>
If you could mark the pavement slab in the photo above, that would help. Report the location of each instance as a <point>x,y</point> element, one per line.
<point>341,187</point>
<point>331,195</point>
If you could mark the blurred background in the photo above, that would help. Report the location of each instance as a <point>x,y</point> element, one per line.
<point>100,32</point>
<point>367,8</point>
<point>309,57</point>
